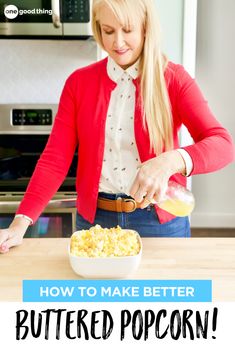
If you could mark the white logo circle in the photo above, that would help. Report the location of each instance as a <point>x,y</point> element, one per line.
<point>11,11</point>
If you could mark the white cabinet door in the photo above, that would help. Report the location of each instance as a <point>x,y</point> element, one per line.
<point>171,16</point>
<point>178,19</point>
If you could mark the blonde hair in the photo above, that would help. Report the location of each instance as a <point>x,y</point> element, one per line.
<point>154,94</point>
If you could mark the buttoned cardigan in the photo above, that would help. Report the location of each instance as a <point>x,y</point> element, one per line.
<point>80,124</point>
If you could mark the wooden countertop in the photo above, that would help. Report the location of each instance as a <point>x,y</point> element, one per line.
<point>163,258</point>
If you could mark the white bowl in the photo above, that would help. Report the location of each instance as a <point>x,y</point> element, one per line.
<point>106,267</point>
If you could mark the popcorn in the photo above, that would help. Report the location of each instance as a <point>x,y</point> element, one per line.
<point>104,242</point>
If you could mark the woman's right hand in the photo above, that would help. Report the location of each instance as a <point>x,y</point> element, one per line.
<point>13,235</point>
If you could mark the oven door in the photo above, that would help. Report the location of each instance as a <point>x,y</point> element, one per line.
<point>19,153</point>
<point>58,219</point>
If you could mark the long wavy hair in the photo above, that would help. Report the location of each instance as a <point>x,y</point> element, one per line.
<point>157,117</point>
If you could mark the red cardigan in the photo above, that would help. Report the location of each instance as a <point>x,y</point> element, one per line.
<point>80,123</point>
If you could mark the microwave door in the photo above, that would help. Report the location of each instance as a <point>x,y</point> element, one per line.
<point>37,18</point>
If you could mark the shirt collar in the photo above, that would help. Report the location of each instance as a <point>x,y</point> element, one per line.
<point>115,71</point>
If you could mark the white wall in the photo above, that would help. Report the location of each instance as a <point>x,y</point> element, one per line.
<point>34,71</point>
<point>215,73</point>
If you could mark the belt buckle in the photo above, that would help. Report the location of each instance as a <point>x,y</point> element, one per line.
<point>133,203</point>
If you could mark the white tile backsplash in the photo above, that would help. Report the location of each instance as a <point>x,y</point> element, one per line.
<point>34,71</point>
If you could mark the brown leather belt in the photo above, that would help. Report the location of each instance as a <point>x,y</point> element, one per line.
<point>119,205</point>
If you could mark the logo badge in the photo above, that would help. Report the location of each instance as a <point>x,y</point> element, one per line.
<point>11,11</point>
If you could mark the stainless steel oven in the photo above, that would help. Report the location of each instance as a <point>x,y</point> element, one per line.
<point>45,18</point>
<point>24,131</point>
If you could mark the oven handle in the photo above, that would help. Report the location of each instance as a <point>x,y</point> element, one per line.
<point>55,6</point>
<point>12,205</point>
<point>62,203</point>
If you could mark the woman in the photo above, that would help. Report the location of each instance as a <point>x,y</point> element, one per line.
<point>124,114</point>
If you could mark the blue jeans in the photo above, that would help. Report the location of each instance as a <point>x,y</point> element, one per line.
<point>144,221</point>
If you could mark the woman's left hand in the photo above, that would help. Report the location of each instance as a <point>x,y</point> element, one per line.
<point>151,181</point>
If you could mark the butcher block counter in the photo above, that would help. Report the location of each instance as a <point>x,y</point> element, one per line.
<point>163,258</point>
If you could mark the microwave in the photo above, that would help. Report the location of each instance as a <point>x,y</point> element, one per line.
<point>45,18</point>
